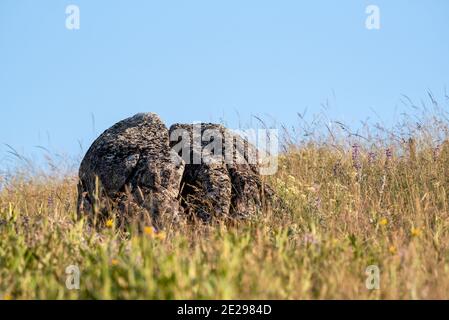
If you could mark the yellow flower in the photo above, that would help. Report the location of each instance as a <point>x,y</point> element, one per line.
<point>393,250</point>
<point>161,235</point>
<point>416,232</point>
<point>383,222</point>
<point>7,296</point>
<point>109,223</point>
<point>149,231</point>
<point>153,233</point>
<point>114,262</point>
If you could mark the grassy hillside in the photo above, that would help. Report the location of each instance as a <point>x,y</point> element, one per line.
<point>378,197</point>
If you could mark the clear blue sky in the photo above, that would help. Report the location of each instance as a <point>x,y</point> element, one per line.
<point>206,60</point>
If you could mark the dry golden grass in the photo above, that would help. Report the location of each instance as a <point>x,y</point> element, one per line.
<point>349,202</point>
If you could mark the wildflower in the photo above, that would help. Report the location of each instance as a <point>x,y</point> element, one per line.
<point>416,232</point>
<point>356,157</point>
<point>161,235</point>
<point>114,262</point>
<point>153,233</point>
<point>109,223</point>
<point>383,222</point>
<point>150,231</point>
<point>392,249</point>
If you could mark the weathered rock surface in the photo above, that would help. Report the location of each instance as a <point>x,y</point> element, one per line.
<point>131,167</point>
<point>135,168</point>
<point>227,182</point>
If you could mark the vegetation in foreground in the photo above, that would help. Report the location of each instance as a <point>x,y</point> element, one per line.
<point>350,200</point>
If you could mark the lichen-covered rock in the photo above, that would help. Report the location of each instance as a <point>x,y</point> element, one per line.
<point>221,177</point>
<point>130,168</point>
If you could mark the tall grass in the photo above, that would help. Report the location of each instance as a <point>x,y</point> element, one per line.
<point>350,200</point>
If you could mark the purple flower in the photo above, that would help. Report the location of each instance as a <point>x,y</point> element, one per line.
<point>356,157</point>
<point>371,157</point>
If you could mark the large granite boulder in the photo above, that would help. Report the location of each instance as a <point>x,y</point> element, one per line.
<point>141,170</point>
